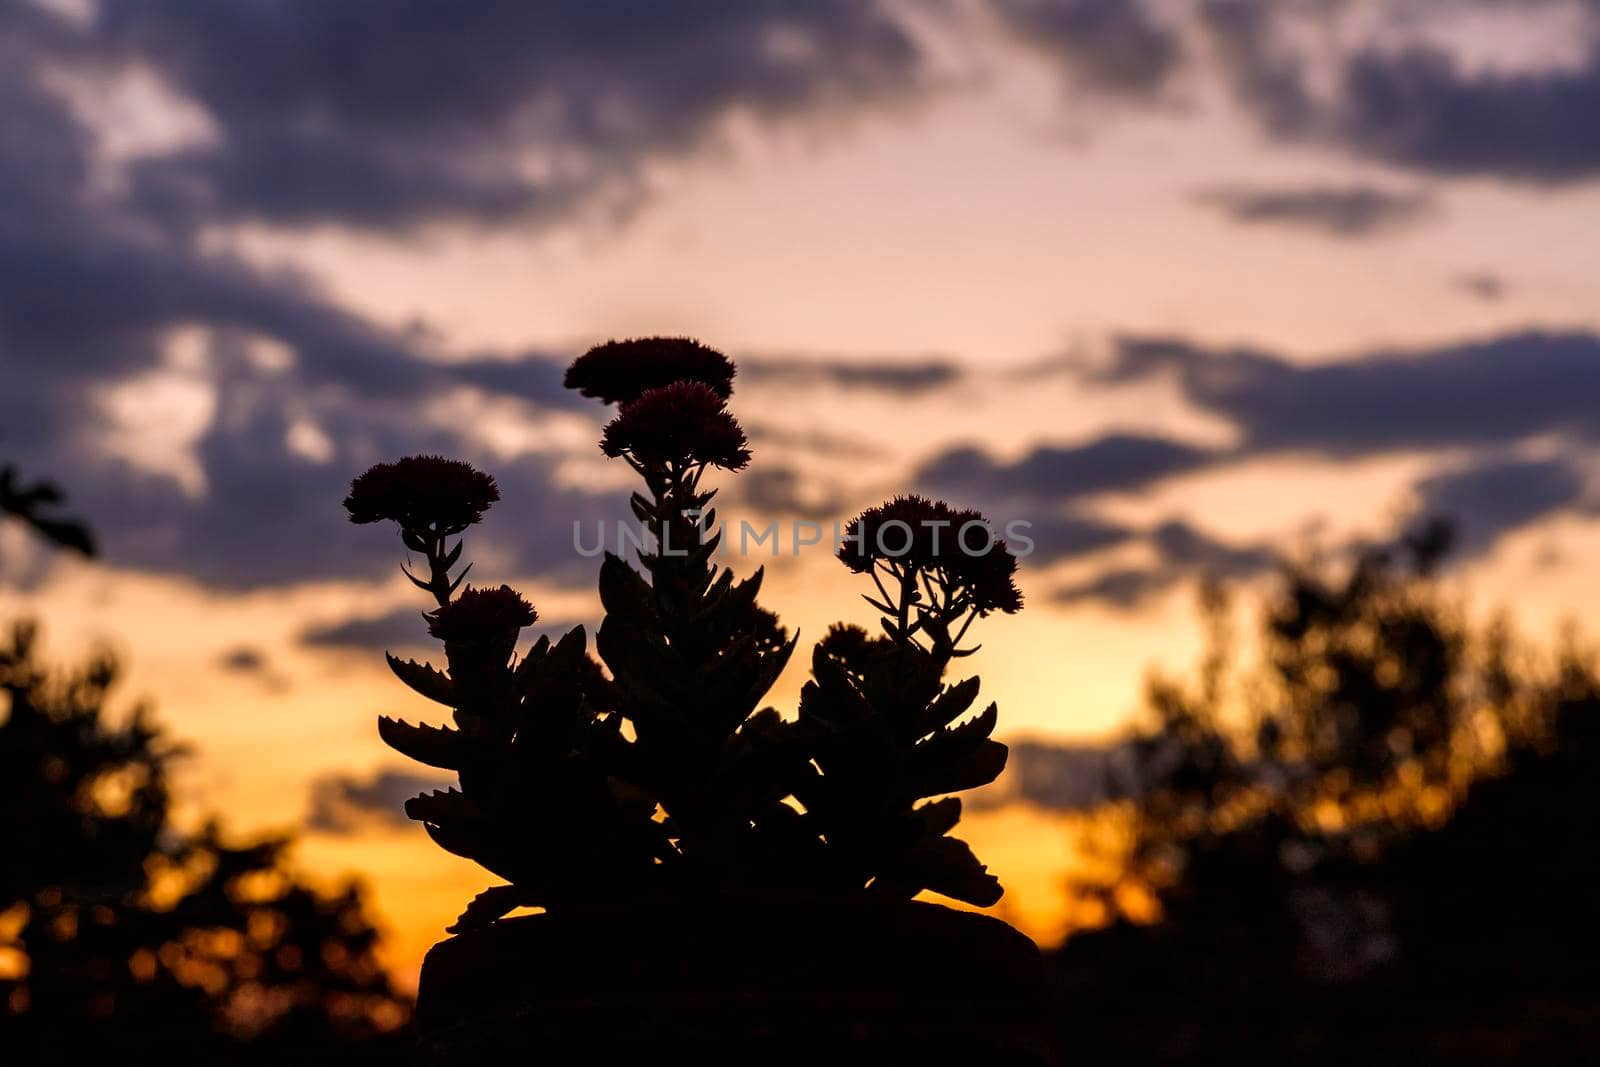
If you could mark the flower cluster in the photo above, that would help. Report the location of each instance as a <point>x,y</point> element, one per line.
<point>681,424</point>
<point>482,615</point>
<point>914,534</point>
<point>621,371</point>
<point>424,494</point>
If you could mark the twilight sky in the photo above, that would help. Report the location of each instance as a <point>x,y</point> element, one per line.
<point>1187,285</point>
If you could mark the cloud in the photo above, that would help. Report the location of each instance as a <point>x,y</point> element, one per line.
<point>897,376</point>
<point>375,114</point>
<point>243,660</point>
<point>404,628</point>
<point>1333,211</point>
<point>1115,462</point>
<point>1479,398</point>
<point>401,628</point>
<point>1058,536</point>
<point>1054,776</point>
<point>1183,554</point>
<point>1407,100</point>
<point>784,491</point>
<point>284,395</point>
<point>1494,496</point>
<point>1479,393</point>
<point>345,804</point>
<point>1125,588</point>
<point>1421,108</point>
<point>1110,46</point>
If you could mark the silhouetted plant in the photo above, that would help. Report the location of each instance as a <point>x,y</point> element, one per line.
<point>669,773</point>
<point>882,717</point>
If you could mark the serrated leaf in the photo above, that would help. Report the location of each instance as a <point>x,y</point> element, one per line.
<point>439,808</point>
<point>952,703</point>
<point>948,866</point>
<point>965,736</point>
<point>493,903</point>
<point>431,745</point>
<point>424,680</point>
<point>938,817</point>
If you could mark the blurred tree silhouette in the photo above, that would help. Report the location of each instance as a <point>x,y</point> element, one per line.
<point>119,930</point>
<point>33,503</point>
<point>121,933</point>
<point>1377,842</point>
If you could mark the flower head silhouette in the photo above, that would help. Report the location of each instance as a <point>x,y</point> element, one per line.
<point>619,371</point>
<point>685,423</point>
<point>907,529</point>
<point>482,615</point>
<point>990,578</point>
<point>423,494</point>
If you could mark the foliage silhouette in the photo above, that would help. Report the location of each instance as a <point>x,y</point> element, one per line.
<point>662,770</point>
<point>120,932</point>
<point>1378,844</point>
<point>31,504</point>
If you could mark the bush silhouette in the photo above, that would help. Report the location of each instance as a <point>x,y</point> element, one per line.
<point>1378,844</point>
<point>119,930</point>
<point>657,767</point>
<point>32,504</point>
<point>122,933</point>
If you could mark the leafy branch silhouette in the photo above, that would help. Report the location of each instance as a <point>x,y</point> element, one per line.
<point>31,504</point>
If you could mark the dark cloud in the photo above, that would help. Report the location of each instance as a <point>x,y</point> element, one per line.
<point>1120,587</point>
<point>1265,75</point>
<point>1497,495</point>
<point>898,376</point>
<point>1181,545</point>
<point>90,296</point>
<point>1403,102</point>
<point>1056,776</point>
<point>784,491</point>
<point>1055,536</point>
<point>403,628</point>
<point>1116,462</point>
<point>349,804</point>
<point>1480,397</point>
<point>1112,46</point>
<point>374,113</point>
<point>1421,108</point>
<point>1482,393</point>
<point>1183,554</point>
<point>1334,211</point>
<point>243,660</point>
